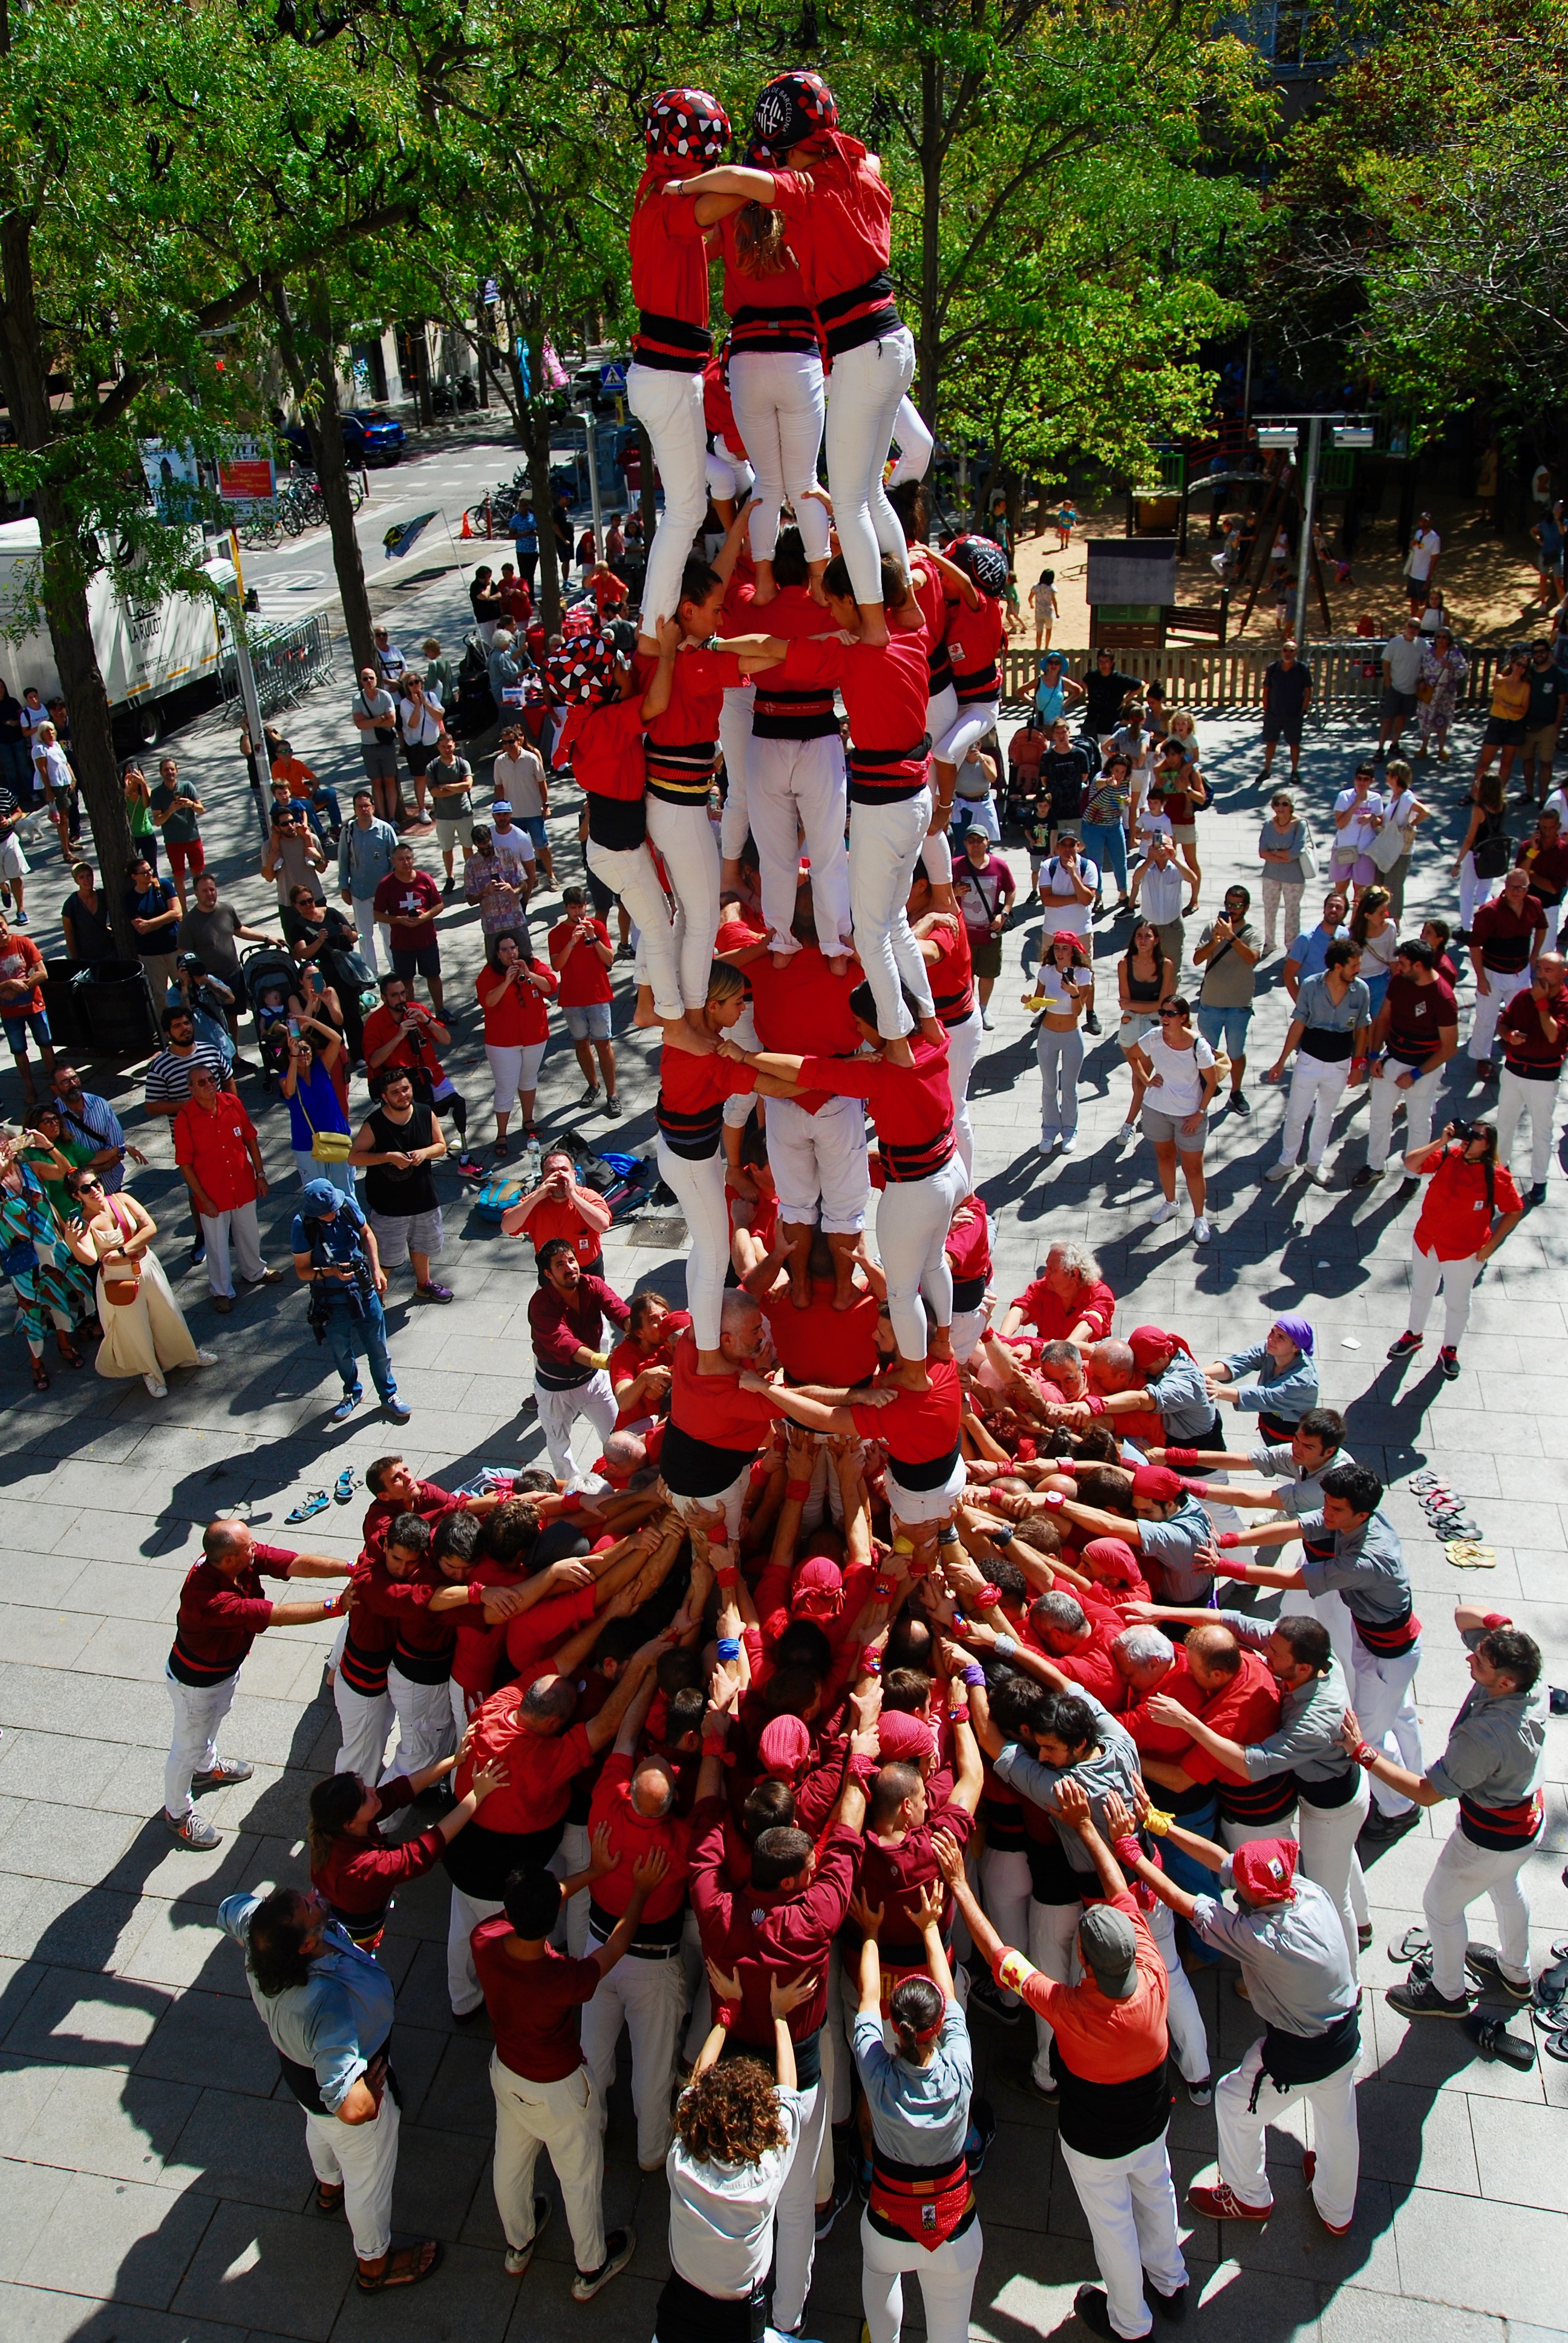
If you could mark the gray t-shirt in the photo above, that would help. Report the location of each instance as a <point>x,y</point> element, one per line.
<point>1283,841</point>
<point>1171,1546</point>
<point>450,808</point>
<point>1295,1962</point>
<point>211,936</point>
<point>1229,980</point>
<point>1366,1567</point>
<point>383,707</point>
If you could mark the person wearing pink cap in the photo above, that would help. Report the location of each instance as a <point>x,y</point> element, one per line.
<point>1170,1527</point>
<point>1298,1977</point>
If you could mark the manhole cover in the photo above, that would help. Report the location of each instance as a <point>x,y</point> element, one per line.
<point>657,1232</point>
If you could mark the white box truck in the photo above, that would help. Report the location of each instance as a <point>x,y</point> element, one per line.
<point>149,648</point>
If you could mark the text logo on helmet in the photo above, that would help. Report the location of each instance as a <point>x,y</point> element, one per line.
<point>585,672</point>
<point>983,561</point>
<point>689,123</point>
<point>790,108</point>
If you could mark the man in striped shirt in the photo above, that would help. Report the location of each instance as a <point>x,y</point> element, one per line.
<point>222,1610</point>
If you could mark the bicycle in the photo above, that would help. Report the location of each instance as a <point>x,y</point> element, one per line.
<point>261,528</point>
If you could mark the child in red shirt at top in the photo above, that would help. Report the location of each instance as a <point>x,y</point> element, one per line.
<point>837,209</point>
<point>685,129</point>
<point>730,474</point>
<point>968,1249</point>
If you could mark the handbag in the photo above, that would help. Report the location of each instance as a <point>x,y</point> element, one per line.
<point>326,1146</point>
<point>1308,857</point>
<point>1390,846</point>
<point>122,1291</point>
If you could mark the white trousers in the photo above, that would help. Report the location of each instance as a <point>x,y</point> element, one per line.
<point>947,2274</point>
<point>967,1327</point>
<point>1233,1835</point>
<point>1052,1949</point>
<point>559,1410</point>
<point>964,1040</point>
<point>1462,1873</point>
<point>1317,1086</point>
<point>574,1854</point>
<point>563,2118</point>
<point>1490,1006</point>
<point>727,1500</point>
<point>690,853</point>
<point>868,385</point>
<point>364,1720</point>
<point>818,1163</point>
<point>1130,2204</point>
<point>779,402</point>
<point>795,2215</point>
<point>1188,2039</point>
<point>1520,1094</point>
<point>1384,1099</point>
<point>1456,1278</point>
<point>916,445</point>
<point>1241,2129</point>
<point>793,786</point>
<point>913,1217</point>
<point>363,2159</point>
<point>728,476</point>
<point>698,1186</point>
<point>1278,892</point>
<point>628,872</point>
<point>1473,891</point>
<point>735,739</point>
<point>669,409</point>
<point>199,1710</point>
<point>1379,1688</point>
<point>513,1070</point>
<point>648,1998</point>
<point>423,1721</point>
<point>463,1989</point>
<point>236,1229</point>
<point>885,843</point>
<point>1005,1893</point>
<point>972,720</point>
<point>911,1507</point>
<point>1328,1835</point>
<point>364,921</point>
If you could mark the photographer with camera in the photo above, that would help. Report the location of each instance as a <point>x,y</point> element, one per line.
<point>319,1137</point>
<point>336,1256</point>
<point>403,1036</point>
<point>293,855</point>
<point>209,1001</point>
<point>1468,1209</point>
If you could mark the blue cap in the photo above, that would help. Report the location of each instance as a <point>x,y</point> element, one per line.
<point>321,1196</point>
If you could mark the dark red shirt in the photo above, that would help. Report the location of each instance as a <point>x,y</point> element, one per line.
<point>1505,938</point>
<point>1525,1048</point>
<point>360,1874</point>
<point>894,1877</point>
<point>219,1618</point>
<point>535,2006</point>
<point>559,1326</point>
<point>762,1932</point>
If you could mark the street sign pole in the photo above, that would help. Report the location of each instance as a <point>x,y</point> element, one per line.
<point>588,423</point>
<point>249,696</point>
<point>1309,506</point>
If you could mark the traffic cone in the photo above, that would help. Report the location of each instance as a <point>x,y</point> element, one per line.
<point>465,530</point>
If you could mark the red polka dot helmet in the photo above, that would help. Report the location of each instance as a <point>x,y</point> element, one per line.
<point>583,673</point>
<point>793,107</point>
<point>981,561</point>
<point>688,124</point>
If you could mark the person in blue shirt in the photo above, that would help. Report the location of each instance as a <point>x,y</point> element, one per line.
<point>328,2008</point>
<point>919,2206</point>
<point>1286,1373</point>
<point>335,1256</point>
<point>1309,951</point>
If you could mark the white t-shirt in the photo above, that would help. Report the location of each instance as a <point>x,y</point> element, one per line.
<point>1357,835</point>
<point>721,2214</point>
<point>1070,915</point>
<point>1424,548</point>
<point>423,724</point>
<point>1180,1071</point>
<point>1401,810</point>
<point>518,782</point>
<point>1043,597</point>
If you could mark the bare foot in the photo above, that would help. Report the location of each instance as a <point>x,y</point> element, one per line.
<point>728,878</point>
<point>781,959</point>
<point>941,1344</point>
<point>874,631</point>
<point>932,1027</point>
<point>800,1289</point>
<point>839,964</point>
<point>846,1294</point>
<point>897,1052</point>
<point>644,1012</point>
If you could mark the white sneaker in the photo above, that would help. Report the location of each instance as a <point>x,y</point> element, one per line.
<point>157,1385</point>
<point>1048,1139</point>
<point>1278,1171</point>
<point>1202,1229</point>
<point>206,1358</point>
<point>986,1024</point>
<point>1070,1142</point>
<point>1161,1212</point>
<point>1129,1131</point>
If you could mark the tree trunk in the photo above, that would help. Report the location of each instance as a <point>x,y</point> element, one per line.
<point>929,346</point>
<point>423,403</point>
<point>313,376</point>
<point>23,375</point>
<point>535,426</point>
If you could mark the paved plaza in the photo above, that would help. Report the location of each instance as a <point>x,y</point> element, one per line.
<point>155,2188</point>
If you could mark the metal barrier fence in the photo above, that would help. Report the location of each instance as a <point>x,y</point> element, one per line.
<point>1230,675</point>
<point>288,661</point>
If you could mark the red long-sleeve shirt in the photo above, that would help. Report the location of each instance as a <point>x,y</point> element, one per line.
<point>670,283</point>
<point>632,1836</point>
<point>762,1932</point>
<point>541,1767</point>
<point>220,1618</point>
<point>559,1325</point>
<point>360,1874</point>
<point>887,692</point>
<point>911,1106</point>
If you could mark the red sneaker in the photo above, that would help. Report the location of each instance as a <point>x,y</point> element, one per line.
<point>1222,2204</point>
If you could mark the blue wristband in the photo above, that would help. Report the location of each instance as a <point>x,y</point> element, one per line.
<point>728,1648</point>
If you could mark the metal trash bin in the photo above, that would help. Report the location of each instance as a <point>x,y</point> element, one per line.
<point>119,1009</point>
<point>63,1007</point>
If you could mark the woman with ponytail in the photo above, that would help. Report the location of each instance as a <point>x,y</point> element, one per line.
<point>353,1869</point>
<point>921,2209</point>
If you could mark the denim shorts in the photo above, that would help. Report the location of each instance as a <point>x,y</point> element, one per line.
<point>534,823</point>
<point>588,1020</point>
<point>1229,1025</point>
<point>31,1020</point>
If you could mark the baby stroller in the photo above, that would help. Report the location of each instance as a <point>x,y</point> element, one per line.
<point>267,976</point>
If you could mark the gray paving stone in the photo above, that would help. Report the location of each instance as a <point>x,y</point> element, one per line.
<point>288,2271</point>
<point>85,2020</point>
<point>33,2314</point>
<point>31,2193</point>
<point>97,2120</point>
<point>113,2240</point>
<point>1517,2275</point>
<point>203,2034</point>
<point>248,2149</point>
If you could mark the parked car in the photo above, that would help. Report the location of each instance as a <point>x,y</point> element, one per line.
<point>380,436</point>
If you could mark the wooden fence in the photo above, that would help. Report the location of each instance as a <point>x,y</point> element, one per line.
<point>1221,677</point>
